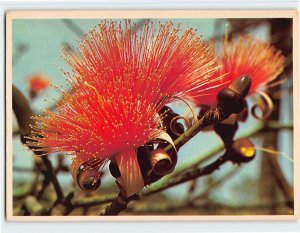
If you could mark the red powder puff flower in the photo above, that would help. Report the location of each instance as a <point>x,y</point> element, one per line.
<point>121,77</point>
<point>246,56</point>
<point>36,84</point>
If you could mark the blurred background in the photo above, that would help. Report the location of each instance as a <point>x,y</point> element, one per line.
<point>259,187</point>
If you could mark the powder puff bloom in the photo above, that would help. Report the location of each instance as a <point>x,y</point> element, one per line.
<point>36,84</point>
<point>245,56</point>
<point>121,77</point>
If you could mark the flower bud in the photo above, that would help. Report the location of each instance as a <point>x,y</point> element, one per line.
<point>231,100</point>
<point>242,151</point>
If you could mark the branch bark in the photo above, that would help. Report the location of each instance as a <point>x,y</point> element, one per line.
<point>120,203</point>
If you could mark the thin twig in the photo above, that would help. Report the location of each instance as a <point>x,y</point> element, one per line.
<point>187,176</point>
<point>51,175</point>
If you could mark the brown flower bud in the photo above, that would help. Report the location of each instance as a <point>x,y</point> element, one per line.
<point>242,151</point>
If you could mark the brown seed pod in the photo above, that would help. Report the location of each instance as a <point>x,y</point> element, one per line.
<point>160,161</point>
<point>87,175</point>
<point>163,163</point>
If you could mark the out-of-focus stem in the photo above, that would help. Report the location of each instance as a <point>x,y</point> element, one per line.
<point>23,114</point>
<point>282,183</point>
<point>50,173</point>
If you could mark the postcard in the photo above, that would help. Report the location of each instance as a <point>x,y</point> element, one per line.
<point>150,114</point>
